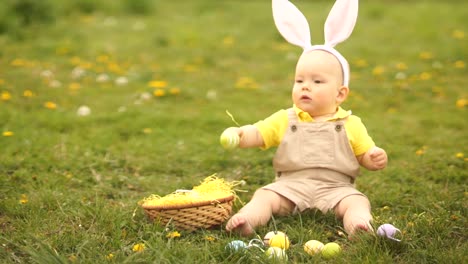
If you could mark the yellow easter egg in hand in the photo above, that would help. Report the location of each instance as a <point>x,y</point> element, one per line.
<point>280,241</point>
<point>313,247</point>
<point>229,139</point>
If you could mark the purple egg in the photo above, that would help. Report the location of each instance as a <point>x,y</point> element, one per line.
<point>388,231</point>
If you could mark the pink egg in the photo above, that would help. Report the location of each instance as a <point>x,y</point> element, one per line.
<point>388,231</point>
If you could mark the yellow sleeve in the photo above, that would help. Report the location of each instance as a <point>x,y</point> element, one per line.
<point>360,141</point>
<point>273,128</point>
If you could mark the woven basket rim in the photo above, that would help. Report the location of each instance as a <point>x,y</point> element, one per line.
<point>184,206</point>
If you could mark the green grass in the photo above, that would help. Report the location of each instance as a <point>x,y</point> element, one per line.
<point>69,185</point>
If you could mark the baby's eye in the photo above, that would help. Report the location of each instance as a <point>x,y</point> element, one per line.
<point>317,81</point>
<point>299,81</point>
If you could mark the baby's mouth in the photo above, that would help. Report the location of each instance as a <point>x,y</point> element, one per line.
<point>305,97</point>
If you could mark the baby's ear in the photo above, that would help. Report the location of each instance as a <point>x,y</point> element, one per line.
<point>342,94</point>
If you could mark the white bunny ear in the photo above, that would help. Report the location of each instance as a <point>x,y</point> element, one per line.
<point>340,22</point>
<point>291,23</point>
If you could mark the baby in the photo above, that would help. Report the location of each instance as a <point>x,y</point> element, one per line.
<point>320,145</point>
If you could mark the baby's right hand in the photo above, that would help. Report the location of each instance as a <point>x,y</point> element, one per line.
<point>230,139</point>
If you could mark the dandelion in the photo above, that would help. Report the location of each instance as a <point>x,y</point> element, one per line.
<point>50,105</point>
<point>459,64</point>
<point>138,247</point>
<point>147,130</point>
<point>460,155</point>
<point>425,76</point>
<point>401,66</point>
<point>110,256</point>
<point>421,151</point>
<point>461,103</point>
<point>361,63</point>
<point>246,82</point>
<point>210,238</point>
<point>74,86</point>
<point>23,199</point>
<point>190,68</point>
<point>18,63</point>
<point>157,84</point>
<point>425,55</point>
<point>458,34</point>
<point>159,92</point>
<point>228,41</point>
<point>174,91</point>
<point>5,96</point>
<point>378,70</point>
<point>8,133</point>
<point>174,234</point>
<point>28,93</point>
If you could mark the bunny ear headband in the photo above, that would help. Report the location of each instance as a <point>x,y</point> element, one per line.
<point>293,26</point>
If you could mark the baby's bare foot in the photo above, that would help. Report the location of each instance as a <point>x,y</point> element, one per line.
<point>239,223</point>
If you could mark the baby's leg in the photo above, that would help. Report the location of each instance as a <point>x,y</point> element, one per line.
<point>355,210</point>
<point>258,211</point>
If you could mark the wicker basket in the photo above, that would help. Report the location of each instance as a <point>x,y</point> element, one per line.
<point>200,215</point>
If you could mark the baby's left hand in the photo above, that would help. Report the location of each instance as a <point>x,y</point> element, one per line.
<point>378,158</point>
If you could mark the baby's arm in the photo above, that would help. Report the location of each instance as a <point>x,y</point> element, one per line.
<point>374,159</point>
<point>249,136</point>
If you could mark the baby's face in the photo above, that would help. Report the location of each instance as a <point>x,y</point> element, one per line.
<point>317,80</point>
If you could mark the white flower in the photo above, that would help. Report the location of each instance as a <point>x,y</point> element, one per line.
<point>83,111</point>
<point>102,78</point>
<point>121,81</point>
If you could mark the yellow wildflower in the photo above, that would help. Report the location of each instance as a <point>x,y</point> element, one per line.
<point>8,133</point>
<point>147,130</point>
<point>361,63</point>
<point>28,93</point>
<point>458,34</point>
<point>138,247</point>
<point>174,91</point>
<point>173,234</point>
<point>228,41</point>
<point>157,84</point>
<point>246,82</point>
<point>74,86</point>
<point>50,105</point>
<point>23,199</point>
<point>460,155</point>
<point>425,76</point>
<point>110,256</point>
<point>420,152</point>
<point>425,55</point>
<point>459,64</point>
<point>5,96</point>
<point>378,70</point>
<point>461,103</point>
<point>401,66</point>
<point>210,238</point>
<point>18,63</point>
<point>159,92</point>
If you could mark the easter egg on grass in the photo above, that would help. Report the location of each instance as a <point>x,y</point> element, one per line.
<point>229,139</point>
<point>276,253</point>
<point>269,235</point>
<point>388,231</point>
<point>280,241</point>
<point>331,250</point>
<point>236,246</point>
<point>312,247</point>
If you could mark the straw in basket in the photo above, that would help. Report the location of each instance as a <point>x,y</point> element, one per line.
<point>206,206</point>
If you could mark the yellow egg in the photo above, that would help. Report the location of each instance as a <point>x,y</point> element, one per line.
<point>313,247</point>
<point>280,241</point>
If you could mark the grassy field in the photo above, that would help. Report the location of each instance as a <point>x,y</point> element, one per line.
<point>158,80</point>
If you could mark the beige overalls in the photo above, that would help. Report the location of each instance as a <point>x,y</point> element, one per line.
<point>314,164</point>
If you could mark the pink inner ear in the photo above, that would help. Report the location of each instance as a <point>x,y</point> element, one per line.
<point>291,23</point>
<point>340,22</point>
